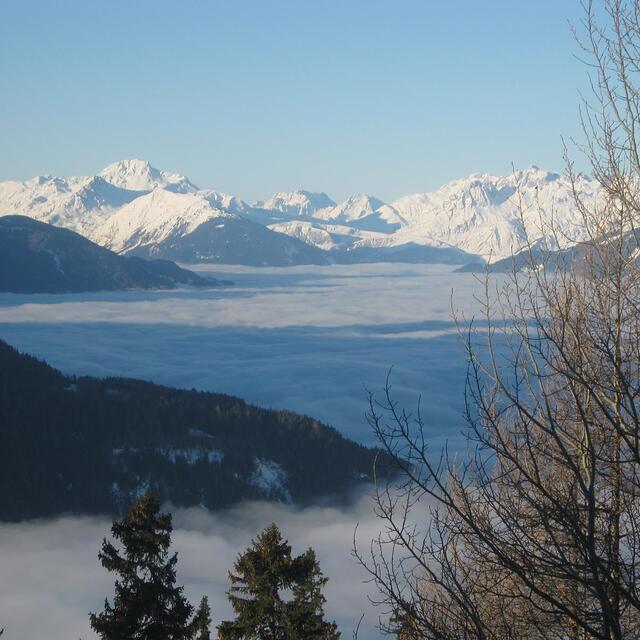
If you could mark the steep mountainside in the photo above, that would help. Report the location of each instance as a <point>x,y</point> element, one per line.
<point>133,207</point>
<point>80,204</point>
<point>187,227</point>
<point>480,214</point>
<point>84,445</point>
<point>36,257</point>
<point>542,256</point>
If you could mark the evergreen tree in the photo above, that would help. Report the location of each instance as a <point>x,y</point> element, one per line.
<point>262,575</point>
<point>202,621</point>
<point>306,609</point>
<point>147,604</point>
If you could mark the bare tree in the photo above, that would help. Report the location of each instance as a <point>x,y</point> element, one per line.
<point>534,532</point>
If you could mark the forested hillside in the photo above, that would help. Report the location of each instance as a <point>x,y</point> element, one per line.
<point>85,445</point>
<point>41,258</point>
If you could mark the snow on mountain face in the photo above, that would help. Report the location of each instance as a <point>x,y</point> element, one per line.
<point>327,237</point>
<point>77,203</point>
<point>153,218</point>
<point>270,479</point>
<point>225,201</point>
<point>354,208</point>
<point>297,203</point>
<point>480,214</point>
<point>364,212</point>
<point>131,205</point>
<point>186,227</point>
<point>139,175</point>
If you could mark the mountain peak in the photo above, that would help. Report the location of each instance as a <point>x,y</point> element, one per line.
<point>354,208</point>
<point>299,202</point>
<point>140,175</point>
<point>364,199</point>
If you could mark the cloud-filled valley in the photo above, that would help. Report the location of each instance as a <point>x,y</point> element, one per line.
<point>305,339</point>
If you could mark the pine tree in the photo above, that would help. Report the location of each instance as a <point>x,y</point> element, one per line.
<point>262,575</point>
<point>147,604</point>
<point>306,609</point>
<point>202,621</point>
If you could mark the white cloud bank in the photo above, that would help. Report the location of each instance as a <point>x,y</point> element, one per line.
<point>306,338</point>
<point>51,577</point>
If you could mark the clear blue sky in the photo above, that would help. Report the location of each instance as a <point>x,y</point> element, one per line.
<point>256,96</point>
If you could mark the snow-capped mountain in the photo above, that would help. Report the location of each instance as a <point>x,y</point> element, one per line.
<point>354,208</point>
<point>139,175</point>
<point>328,237</point>
<point>481,214</point>
<point>364,212</point>
<point>154,218</point>
<point>132,207</point>
<point>225,201</point>
<point>187,227</point>
<point>478,216</point>
<point>336,227</point>
<point>296,203</point>
<point>78,203</point>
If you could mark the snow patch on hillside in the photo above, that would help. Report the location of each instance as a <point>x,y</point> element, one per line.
<point>270,479</point>
<point>189,455</point>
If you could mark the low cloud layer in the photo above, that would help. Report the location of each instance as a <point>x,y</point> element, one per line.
<point>51,577</point>
<point>305,339</point>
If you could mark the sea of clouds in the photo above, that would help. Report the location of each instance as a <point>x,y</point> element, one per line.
<point>50,577</point>
<point>307,338</point>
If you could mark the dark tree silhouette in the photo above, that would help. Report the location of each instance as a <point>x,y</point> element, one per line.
<point>147,604</point>
<point>200,627</point>
<point>263,575</point>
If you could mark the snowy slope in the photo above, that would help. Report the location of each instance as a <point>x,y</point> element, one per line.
<point>154,218</point>
<point>187,227</point>
<point>480,214</point>
<point>328,237</point>
<point>78,203</point>
<point>296,203</point>
<point>363,212</point>
<point>225,201</point>
<point>477,216</point>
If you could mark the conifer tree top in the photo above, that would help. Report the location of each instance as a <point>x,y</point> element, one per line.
<point>275,595</point>
<point>147,604</point>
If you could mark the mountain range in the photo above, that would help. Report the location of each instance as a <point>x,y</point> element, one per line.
<point>132,208</point>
